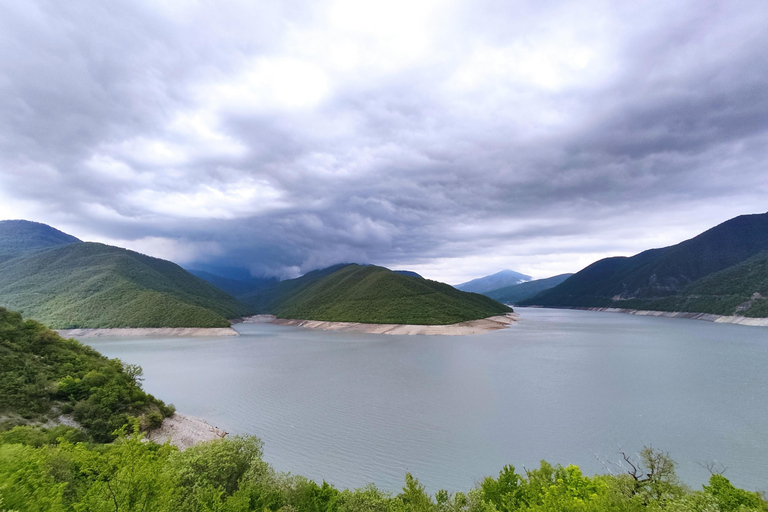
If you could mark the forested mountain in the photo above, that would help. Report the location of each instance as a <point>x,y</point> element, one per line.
<point>20,237</point>
<point>370,294</point>
<point>493,282</point>
<point>95,285</point>
<point>669,278</point>
<point>519,292</point>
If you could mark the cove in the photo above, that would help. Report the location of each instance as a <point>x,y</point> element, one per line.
<point>570,387</point>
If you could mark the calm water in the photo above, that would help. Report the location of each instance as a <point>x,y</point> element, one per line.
<point>571,387</point>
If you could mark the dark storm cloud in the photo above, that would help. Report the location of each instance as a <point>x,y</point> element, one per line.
<point>454,139</point>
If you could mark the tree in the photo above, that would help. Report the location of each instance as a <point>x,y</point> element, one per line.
<point>654,477</point>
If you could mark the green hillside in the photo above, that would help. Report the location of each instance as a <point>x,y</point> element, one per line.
<point>738,290</point>
<point>20,237</point>
<point>96,285</point>
<point>370,294</point>
<point>43,375</point>
<point>663,279</point>
<point>519,292</point>
<point>274,297</point>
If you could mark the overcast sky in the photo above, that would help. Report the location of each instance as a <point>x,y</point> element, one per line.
<point>455,139</point>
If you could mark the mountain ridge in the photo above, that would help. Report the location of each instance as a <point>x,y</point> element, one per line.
<point>665,278</point>
<point>90,285</point>
<point>20,237</point>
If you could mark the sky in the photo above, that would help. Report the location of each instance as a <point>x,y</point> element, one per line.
<point>452,138</point>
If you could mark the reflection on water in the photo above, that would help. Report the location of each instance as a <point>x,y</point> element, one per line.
<point>565,386</point>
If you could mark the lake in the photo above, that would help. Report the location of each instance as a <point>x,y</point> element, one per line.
<point>570,387</point>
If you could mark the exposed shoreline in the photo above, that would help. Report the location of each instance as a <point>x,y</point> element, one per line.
<point>148,331</point>
<point>707,317</point>
<point>480,326</point>
<point>184,431</point>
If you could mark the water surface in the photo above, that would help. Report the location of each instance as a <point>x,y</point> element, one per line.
<point>571,387</point>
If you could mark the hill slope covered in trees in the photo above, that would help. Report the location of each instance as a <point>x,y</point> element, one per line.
<point>370,294</point>
<point>43,375</point>
<point>691,276</point>
<point>94,285</point>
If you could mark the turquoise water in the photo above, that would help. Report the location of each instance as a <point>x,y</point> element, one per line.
<point>571,387</point>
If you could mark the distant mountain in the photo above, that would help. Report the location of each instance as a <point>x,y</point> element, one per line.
<point>20,237</point>
<point>95,285</point>
<point>673,277</point>
<point>519,292</point>
<point>236,287</point>
<point>370,294</point>
<point>493,282</point>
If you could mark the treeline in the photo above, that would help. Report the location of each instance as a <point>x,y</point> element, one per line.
<point>230,475</point>
<point>43,376</point>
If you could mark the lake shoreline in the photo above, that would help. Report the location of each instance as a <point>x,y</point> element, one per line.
<point>470,327</point>
<point>184,431</point>
<point>707,317</point>
<point>148,331</point>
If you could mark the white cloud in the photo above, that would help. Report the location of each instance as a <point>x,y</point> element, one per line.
<point>243,198</point>
<point>267,84</point>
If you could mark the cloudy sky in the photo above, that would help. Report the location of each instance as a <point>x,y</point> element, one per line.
<point>454,138</point>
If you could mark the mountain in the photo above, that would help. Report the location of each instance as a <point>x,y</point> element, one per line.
<point>408,273</point>
<point>236,287</point>
<point>371,294</point>
<point>272,298</point>
<point>493,282</point>
<point>20,237</point>
<point>519,292</point>
<point>661,279</point>
<point>95,285</point>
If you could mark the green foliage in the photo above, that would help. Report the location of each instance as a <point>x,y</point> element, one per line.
<point>41,374</point>
<point>230,475</point>
<point>220,465</point>
<point>730,498</point>
<point>370,294</point>
<point>100,286</point>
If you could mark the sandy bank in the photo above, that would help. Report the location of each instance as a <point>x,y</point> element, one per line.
<point>720,319</point>
<point>471,327</point>
<point>184,431</point>
<point>148,331</point>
